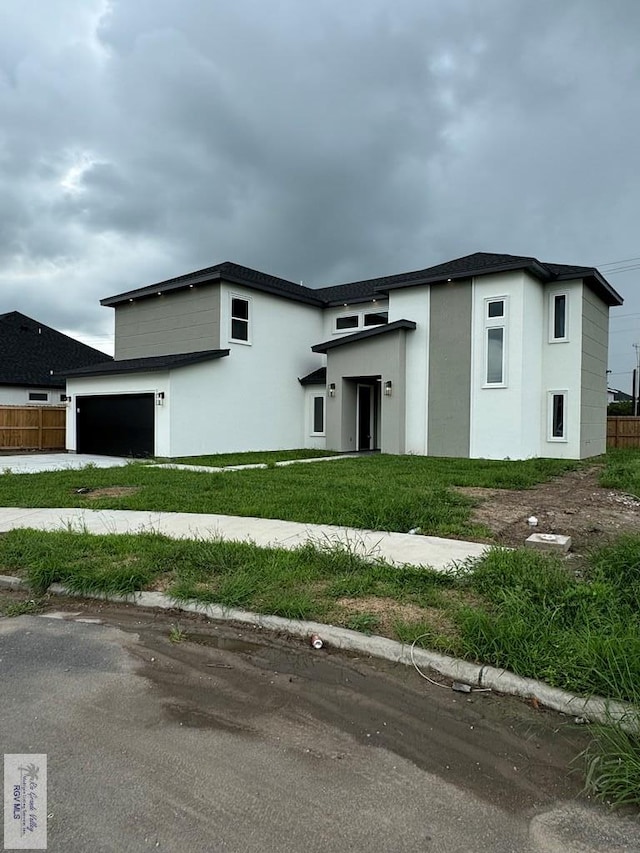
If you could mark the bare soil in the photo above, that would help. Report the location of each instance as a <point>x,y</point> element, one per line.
<point>110,492</point>
<point>573,504</point>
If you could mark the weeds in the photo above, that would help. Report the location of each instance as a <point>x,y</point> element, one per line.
<point>177,635</point>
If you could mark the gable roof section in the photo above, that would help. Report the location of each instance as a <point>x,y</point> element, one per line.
<point>396,326</point>
<point>150,364</point>
<point>34,355</point>
<point>226,271</point>
<point>479,263</point>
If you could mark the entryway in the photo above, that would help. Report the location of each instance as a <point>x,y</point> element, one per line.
<point>368,415</point>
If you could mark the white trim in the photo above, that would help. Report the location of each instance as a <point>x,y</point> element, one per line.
<point>242,297</point>
<point>552,317</point>
<point>490,323</point>
<point>560,392</point>
<point>313,398</point>
<point>359,315</point>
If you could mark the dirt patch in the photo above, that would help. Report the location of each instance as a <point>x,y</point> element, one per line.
<point>574,505</point>
<point>107,492</point>
<point>389,612</point>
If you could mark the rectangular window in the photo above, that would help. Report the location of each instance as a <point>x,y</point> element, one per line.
<point>495,355</point>
<point>495,308</point>
<point>380,318</point>
<point>349,322</point>
<point>557,416</point>
<point>559,317</point>
<point>38,396</point>
<point>239,319</point>
<point>318,416</point>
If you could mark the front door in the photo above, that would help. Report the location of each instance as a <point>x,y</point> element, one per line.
<point>365,417</point>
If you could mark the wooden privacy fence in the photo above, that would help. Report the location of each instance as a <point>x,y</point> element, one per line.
<point>623,431</point>
<point>32,427</point>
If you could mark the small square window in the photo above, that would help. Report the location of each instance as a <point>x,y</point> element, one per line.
<point>349,322</point>
<point>239,319</point>
<point>495,308</point>
<point>318,416</point>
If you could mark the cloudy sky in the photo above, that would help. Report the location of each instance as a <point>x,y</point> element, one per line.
<point>322,142</point>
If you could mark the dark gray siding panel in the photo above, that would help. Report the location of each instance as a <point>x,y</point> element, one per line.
<point>187,321</point>
<point>449,370</point>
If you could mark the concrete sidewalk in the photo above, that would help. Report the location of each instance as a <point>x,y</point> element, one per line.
<point>397,548</point>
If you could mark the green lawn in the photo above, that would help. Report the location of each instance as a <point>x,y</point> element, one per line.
<point>379,492</point>
<point>264,457</point>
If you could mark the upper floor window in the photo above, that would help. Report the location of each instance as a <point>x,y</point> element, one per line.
<point>360,320</point>
<point>350,321</point>
<point>240,319</point>
<point>558,317</point>
<point>495,341</point>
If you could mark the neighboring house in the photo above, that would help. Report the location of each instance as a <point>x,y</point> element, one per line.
<point>484,356</point>
<point>615,396</point>
<point>32,358</point>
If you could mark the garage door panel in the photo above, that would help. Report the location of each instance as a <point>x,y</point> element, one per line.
<point>116,424</point>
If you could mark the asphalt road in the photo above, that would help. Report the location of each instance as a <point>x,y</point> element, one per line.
<point>233,740</point>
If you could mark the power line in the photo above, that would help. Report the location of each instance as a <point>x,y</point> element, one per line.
<point>615,263</point>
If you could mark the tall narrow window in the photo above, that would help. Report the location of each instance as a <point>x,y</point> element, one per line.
<point>495,338</point>
<point>495,356</point>
<point>239,319</point>
<point>558,330</point>
<point>557,416</point>
<point>318,416</point>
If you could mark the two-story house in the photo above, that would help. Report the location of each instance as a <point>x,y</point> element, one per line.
<point>487,355</point>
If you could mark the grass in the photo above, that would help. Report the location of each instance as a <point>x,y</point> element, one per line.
<point>378,492</point>
<point>622,471</point>
<point>520,610</point>
<point>264,457</point>
<point>12,605</point>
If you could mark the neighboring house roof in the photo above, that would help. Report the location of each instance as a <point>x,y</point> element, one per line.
<point>620,396</point>
<point>367,333</point>
<point>147,365</point>
<point>34,355</point>
<point>316,377</point>
<point>478,263</point>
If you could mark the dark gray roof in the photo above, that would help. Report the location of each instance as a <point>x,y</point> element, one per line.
<point>150,364</point>
<point>35,355</point>
<point>367,333</point>
<point>316,377</point>
<point>479,263</point>
<point>227,271</point>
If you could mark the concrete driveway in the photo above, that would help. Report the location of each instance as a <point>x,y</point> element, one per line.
<point>241,741</point>
<point>32,463</point>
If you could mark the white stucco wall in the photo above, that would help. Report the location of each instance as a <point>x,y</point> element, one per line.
<point>14,395</point>
<point>561,371</point>
<point>139,383</point>
<point>498,428</point>
<point>412,303</point>
<point>250,400</point>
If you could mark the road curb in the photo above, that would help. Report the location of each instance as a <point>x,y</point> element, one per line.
<point>594,709</point>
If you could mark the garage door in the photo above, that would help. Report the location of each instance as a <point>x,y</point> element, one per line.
<point>115,424</point>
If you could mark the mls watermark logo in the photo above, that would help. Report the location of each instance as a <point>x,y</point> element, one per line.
<point>25,802</point>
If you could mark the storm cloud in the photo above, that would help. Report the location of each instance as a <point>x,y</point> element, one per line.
<point>320,142</point>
